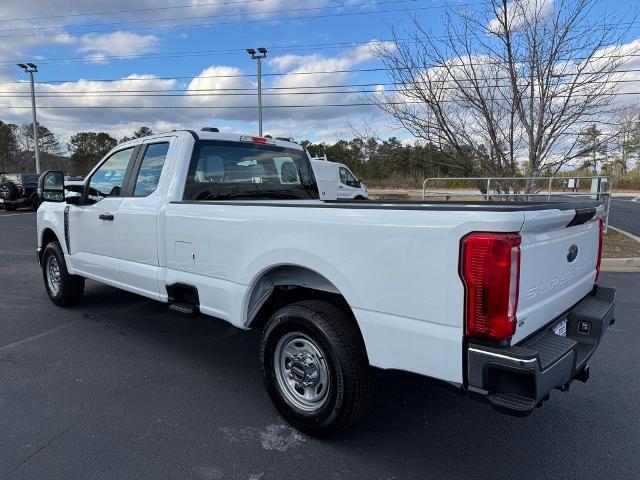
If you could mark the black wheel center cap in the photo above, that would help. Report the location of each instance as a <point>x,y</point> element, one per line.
<point>304,370</point>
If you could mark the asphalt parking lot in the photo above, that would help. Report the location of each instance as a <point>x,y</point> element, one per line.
<point>120,387</point>
<point>625,214</point>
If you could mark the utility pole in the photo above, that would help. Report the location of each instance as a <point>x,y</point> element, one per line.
<point>254,56</point>
<point>31,68</point>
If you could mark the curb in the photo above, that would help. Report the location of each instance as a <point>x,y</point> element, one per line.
<point>630,235</point>
<point>621,264</point>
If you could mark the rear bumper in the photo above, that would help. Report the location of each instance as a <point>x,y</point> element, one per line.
<point>518,378</point>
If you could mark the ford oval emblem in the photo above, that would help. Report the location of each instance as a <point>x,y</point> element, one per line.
<point>572,254</point>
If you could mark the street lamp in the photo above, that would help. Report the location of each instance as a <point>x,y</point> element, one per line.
<point>262,54</point>
<point>31,68</point>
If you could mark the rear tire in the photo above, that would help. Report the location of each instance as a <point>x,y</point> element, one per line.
<point>63,288</point>
<point>315,367</point>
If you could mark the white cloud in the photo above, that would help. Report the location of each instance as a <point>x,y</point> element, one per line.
<point>518,11</point>
<point>116,43</point>
<point>224,81</point>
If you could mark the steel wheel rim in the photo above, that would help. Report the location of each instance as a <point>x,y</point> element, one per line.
<point>4,191</point>
<point>302,372</point>
<point>53,275</point>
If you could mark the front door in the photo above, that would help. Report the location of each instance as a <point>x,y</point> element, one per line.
<point>346,189</point>
<point>93,224</point>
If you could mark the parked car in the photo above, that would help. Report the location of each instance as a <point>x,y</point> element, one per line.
<point>498,299</point>
<point>336,182</point>
<point>19,190</point>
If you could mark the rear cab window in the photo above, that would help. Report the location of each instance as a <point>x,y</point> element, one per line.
<point>150,169</point>
<point>221,170</point>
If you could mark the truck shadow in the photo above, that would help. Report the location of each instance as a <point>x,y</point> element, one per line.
<point>414,422</point>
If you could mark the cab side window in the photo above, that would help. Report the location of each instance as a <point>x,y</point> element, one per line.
<point>150,169</point>
<point>108,179</point>
<point>346,177</point>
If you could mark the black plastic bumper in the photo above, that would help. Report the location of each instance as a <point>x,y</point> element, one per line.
<point>518,378</point>
<point>18,202</point>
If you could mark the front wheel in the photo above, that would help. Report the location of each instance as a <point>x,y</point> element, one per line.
<point>315,367</point>
<point>63,288</point>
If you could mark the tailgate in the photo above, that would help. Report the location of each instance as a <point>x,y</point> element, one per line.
<point>557,266</point>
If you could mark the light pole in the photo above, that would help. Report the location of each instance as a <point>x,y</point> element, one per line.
<point>254,56</point>
<point>31,68</point>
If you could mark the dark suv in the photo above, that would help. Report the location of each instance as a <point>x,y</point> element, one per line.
<point>19,190</point>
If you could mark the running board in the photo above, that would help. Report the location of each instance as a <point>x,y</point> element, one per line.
<point>185,309</point>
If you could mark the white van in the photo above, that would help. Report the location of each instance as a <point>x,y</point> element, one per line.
<point>336,181</point>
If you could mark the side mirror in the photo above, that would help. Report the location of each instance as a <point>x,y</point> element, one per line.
<point>51,186</point>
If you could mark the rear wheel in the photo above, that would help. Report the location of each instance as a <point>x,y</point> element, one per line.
<point>63,288</point>
<point>315,367</point>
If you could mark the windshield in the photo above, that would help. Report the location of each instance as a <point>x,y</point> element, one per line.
<point>236,170</point>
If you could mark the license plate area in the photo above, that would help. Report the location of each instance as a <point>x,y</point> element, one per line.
<point>560,328</point>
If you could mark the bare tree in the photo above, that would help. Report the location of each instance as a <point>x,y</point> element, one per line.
<point>627,140</point>
<point>511,85</point>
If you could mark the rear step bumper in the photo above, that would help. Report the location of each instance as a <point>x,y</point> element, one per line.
<point>518,378</point>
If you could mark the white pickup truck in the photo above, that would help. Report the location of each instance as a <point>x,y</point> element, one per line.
<point>498,299</point>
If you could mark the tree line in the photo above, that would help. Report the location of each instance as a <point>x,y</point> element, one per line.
<point>388,163</point>
<point>82,152</point>
<point>394,164</point>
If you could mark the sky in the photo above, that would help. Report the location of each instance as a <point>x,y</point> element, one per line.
<point>183,51</point>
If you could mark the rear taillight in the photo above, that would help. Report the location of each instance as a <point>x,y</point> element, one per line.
<point>490,270</point>
<point>601,223</point>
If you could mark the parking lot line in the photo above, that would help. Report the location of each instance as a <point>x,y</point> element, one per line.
<point>38,336</point>
<point>14,214</point>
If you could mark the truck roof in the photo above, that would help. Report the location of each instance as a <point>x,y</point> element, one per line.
<point>209,135</point>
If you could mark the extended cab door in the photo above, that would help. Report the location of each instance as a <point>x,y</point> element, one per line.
<point>138,219</point>
<point>93,223</point>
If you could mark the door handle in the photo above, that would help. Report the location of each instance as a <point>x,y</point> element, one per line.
<point>106,216</point>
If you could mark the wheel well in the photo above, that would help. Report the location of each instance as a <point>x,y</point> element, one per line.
<point>288,284</point>
<point>48,236</point>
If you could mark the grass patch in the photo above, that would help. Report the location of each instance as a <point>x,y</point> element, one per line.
<point>618,245</point>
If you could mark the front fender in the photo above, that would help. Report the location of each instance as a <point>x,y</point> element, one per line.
<point>51,216</point>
